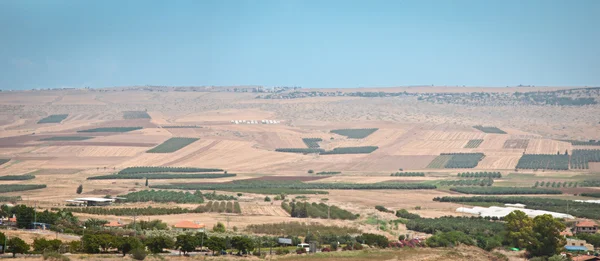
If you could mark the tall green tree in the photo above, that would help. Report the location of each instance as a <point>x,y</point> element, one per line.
<point>186,243</point>
<point>2,239</point>
<point>79,189</point>
<point>24,214</point>
<point>156,244</point>
<point>16,246</point>
<point>219,228</point>
<point>548,241</point>
<point>242,244</point>
<point>216,244</point>
<point>127,244</point>
<point>520,228</point>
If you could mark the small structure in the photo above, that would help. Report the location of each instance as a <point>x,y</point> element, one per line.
<point>515,205</point>
<point>586,227</point>
<point>189,226</point>
<point>578,245</point>
<point>92,201</point>
<point>39,225</point>
<point>114,224</point>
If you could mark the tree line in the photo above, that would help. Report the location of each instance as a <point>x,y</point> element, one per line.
<point>314,210</point>
<point>233,186</point>
<point>163,176</point>
<point>20,187</point>
<point>504,190</point>
<point>483,174</point>
<point>160,169</point>
<point>408,174</point>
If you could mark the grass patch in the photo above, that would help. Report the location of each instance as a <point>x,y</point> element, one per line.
<point>19,187</point>
<point>172,145</point>
<point>112,129</point>
<point>66,138</point>
<point>54,118</point>
<point>135,115</point>
<point>355,133</point>
<point>473,143</point>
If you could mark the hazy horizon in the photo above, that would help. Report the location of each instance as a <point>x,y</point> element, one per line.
<point>311,44</point>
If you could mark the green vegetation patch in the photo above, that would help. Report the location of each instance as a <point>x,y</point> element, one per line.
<point>504,190</point>
<point>468,182</point>
<point>278,191</point>
<point>149,211</point>
<point>54,118</point>
<point>2,161</point>
<point>355,133</point>
<point>66,138</point>
<point>489,129</point>
<point>163,176</point>
<point>19,187</point>
<point>592,195</point>
<point>262,184</point>
<point>482,174</point>
<point>17,177</point>
<point>590,183</point>
<point>581,158</point>
<point>341,150</point>
<point>578,209</point>
<point>221,207</point>
<point>439,162</point>
<point>300,150</point>
<point>112,129</point>
<point>9,198</point>
<point>584,143</point>
<point>473,143</point>
<point>172,145</point>
<point>329,172</point>
<point>159,169</point>
<point>408,174</point>
<point>544,161</point>
<point>456,160</point>
<point>312,143</point>
<point>135,115</point>
<point>299,229</point>
<point>314,210</point>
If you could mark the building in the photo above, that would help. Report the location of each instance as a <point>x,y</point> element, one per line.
<point>91,201</point>
<point>586,258</point>
<point>578,245</point>
<point>189,226</point>
<point>586,227</point>
<point>114,224</point>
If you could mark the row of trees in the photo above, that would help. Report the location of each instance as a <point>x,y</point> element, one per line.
<point>543,161</point>
<point>329,172</point>
<point>163,196</point>
<point>300,150</point>
<point>580,159</point>
<point>468,182</point>
<point>148,211</point>
<point>403,213</point>
<point>408,174</point>
<point>17,177</point>
<point>351,150</point>
<point>299,229</point>
<point>591,183</point>
<point>112,129</point>
<point>463,160</point>
<point>482,174</point>
<point>578,209</point>
<point>221,207</point>
<point>555,184</point>
<point>163,176</point>
<point>160,169</point>
<point>593,195</point>
<point>4,188</point>
<point>234,186</point>
<point>312,143</point>
<point>384,209</point>
<point>314,210</point>
<point>355,133</point>
<point>505,190</point>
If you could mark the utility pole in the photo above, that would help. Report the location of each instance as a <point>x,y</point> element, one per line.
<point>134,227</point>
<point>228,225</point>
<point>34,214</point>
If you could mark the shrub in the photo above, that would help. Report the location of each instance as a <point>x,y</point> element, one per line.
<point>54,256</point>
<point>267,199</point>
<point>138,254</point>
<point>300,250</point>
<point>403,213</point>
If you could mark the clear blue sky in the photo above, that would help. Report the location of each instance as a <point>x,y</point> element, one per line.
<point>324,43</point>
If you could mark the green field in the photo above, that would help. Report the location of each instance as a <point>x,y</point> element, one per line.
<point>17,177</point>
<point>473,144</point>
<point>18,187</point>
<point>489,129</point>
<point>354,133</point>
<point>439,162</point>
<point>172,145</point>
<point>2,161</point>
<point>112,129</point>
<point>54,118</point>
<point>135,115</point>
<point>66,138</point>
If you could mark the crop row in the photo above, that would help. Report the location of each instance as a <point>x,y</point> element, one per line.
<point>312,143</point>
<point>112,129</point>
<point>555,184</point>
<point>504,190</point>
<point>17,177</point>
<point>473,143</point>
<point>456,160</point>
<point>20,187</point>
<point>134,170</point>
<point>578,209</point>
<point>329,173</point>
<point>590,183</point>
<point>149,211</point>
<point>483,174</point>
<point>172,145</point>
<point>354,133</point>
<point>580,159</point>
<point>543,161</point>
<point>163,176</point>
<point>314,210</point>
<point>468,182</point>
<point>173,196</point>
<point>408,174</point>
<point>593,195</point>
<point>220,207</point>
<point>489,129</point>
<point>54,118</point>
<point>293,185</point>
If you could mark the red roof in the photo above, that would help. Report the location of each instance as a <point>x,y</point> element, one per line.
<point>12,219</point>
<point>586,223</point>
<point>188,224</point>
<point>113,224</point>
<point>586,258</point>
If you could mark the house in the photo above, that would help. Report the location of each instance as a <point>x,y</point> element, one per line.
<point>114,224</point>
<point>586,227</point>
<point>586,258</point>
<point>581,245</point>
<point>189,226</point>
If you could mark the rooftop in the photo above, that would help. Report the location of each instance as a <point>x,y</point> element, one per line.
<point>188,224</point>
<point>576,248</point>
<point>96,199</point>
<point>586,223</point>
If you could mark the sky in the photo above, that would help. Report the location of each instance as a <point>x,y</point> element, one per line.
<point>312,44</point>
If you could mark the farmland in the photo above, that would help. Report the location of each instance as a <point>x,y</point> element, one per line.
<point>329,172</point>
<point>456,160</point>
<point>516,144</point>
<point>545,161</point>
<point>408,174</point>
<point>135,115</point>
<point>112,129</point>
<point>149,211</point>
<point>585,143</point>
<point>489,129</point>
<point>468,182</point>
<point>54,118</point>
<point>18,187</point>
<point>220,207</point>
<point>163,176</point>
<point>66,138</point>
<point>17,177</point>
<point>472,144</point>
<point>300,150</point>
<point>153,169</point>
<point>312,143</point>
<point>484,174</point>
<point>314,210</point>
<point>340,150</point>
<point>580,159</point>
<point>172,145</point>
<point>355,133</point>
<point>504,190</point>
<point>233,186</point>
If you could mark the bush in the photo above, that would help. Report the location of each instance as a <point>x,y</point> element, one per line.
<point>54,256</point>
<point>267,199</point>
<point>383,209</point>
<point>449,239</point>
<point>138,254</point>
<point>403,213</point>
<point>300,250</point>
